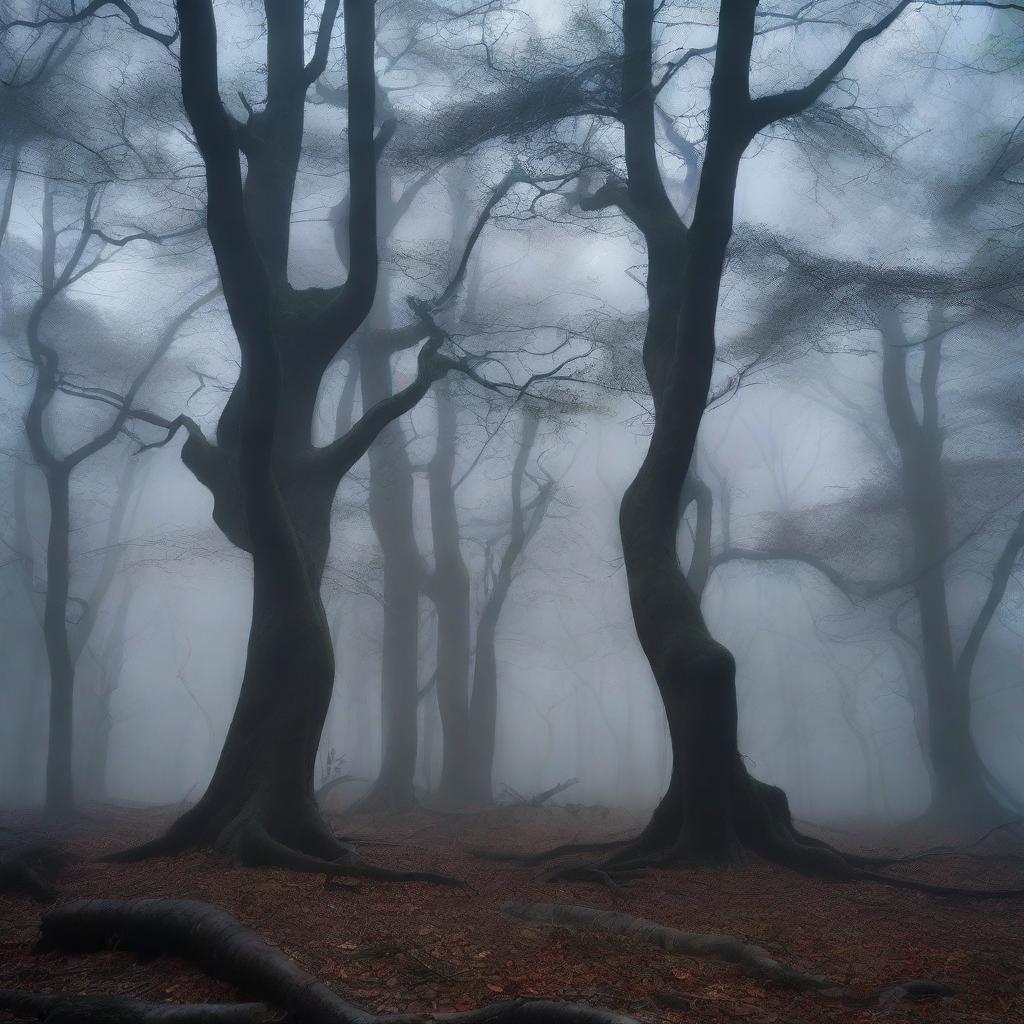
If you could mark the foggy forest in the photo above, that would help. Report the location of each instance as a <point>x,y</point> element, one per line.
<point>511,511</point>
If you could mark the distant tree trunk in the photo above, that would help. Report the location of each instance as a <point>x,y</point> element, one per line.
<point>961,783</point>
<point>483,703</point>
<point>28,738</point>
<point>110,664</point>
<point>60,795</point>
<point>448,588</point>
<point>391,512</point>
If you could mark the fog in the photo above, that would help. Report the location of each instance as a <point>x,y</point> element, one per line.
<point>814,555</point>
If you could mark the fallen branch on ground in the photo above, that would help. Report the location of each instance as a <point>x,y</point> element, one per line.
<point>518,800</point>
<point>213,940</point>
<point>75,1009</point>
<point>753,959</point>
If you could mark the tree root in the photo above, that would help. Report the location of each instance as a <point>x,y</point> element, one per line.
<point>964,850</point>
<point>318,851</point>
<point>72,1009</point>
<point>566,850</point>
<point>822,861</point>
<point>717,947</point>
<point>167,845</point>
<point>260,849</point>
<point>612,878</point>
<point>212,939</point>
<point>752,959</point>
<point>31,868</point>
<point>766,829</point>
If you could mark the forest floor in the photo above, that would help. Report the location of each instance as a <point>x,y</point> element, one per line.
<point>411,946</point>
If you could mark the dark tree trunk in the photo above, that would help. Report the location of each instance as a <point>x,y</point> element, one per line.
<point>448,588</point>
<point>60,796</point>
<point>272,489</point>
<point>695,675</point>
<point>273,492</point>
<point>712,806</point>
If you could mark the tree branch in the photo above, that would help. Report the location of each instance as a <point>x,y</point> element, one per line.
<point>246,282</point>
<point>338,322</point>
<point>164,38</point>
<point>1001,573</point>
<point>318,62</point>
<point>767,110</point>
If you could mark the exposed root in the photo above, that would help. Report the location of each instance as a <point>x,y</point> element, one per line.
<point>73,1009</point>
<point>262,850</point>
<point>31,868</point>
<point>212,939</point>
<point>965,850</point>
<point>312,849</point>
<point>941,890</point>
<point>167,845</point>
<point>770,833</point>
<point>614,879</point>
<point>824,862</point>
<point>566,850</point>
<point>752,959</point>
<point>717,947</point>
<point>586,874</point>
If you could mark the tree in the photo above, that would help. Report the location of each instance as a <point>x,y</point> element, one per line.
<point>272,487</point>
<point>713,806</point>
<point>926,486</point>
<point>525,519</point>
<point>60,268</point>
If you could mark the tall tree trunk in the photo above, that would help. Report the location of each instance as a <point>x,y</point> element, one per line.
<point>60,795</point>
<point>271,497</point>
<point>391,513</point>
<point>712,806</point>
<point>483,703</point>
<point>448,588</point>
<point>110,665</point>
<point>959,778</point>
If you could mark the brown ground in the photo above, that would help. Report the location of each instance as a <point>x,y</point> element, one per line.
<point>422,947</point>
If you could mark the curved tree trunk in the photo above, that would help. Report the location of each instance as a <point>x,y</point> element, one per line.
<point>712,806</point>
<point>271,496</point>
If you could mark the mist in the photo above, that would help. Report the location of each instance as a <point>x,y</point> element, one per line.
<point>594,424</point>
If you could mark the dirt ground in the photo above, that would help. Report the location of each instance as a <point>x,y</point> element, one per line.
<point>403,947</point>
